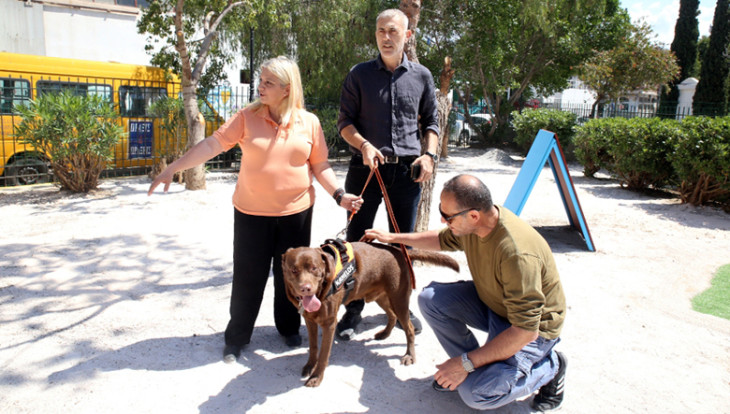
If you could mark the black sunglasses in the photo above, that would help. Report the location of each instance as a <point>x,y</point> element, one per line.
<point>449,218</point>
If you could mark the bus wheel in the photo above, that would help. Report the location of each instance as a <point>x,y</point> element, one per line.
<point>26,171</point>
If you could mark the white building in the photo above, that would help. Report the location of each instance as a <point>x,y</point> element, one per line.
<point>577,93</point>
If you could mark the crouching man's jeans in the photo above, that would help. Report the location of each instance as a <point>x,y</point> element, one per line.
<point>451,309</point>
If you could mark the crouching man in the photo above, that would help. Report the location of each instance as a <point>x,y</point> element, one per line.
<point>515,295</point>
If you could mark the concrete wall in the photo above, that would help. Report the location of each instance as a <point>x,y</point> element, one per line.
<point>93,35</point>
<point>21,27</point>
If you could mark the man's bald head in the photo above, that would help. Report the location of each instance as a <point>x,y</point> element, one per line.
<point>469,192</point>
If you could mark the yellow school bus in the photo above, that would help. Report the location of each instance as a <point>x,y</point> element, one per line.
<point>130,88</point>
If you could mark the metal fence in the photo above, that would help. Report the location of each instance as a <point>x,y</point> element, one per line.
<point>147,139</point>
<point>625,110</point>
<point>148,136</point>
<point>585,112</point>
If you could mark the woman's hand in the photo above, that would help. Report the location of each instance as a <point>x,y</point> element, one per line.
<point>351,202</point>
<point>200,153</point>
<point>165,176</point>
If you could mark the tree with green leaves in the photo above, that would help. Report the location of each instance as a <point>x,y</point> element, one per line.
<point>328,37</point>
<point>194,39</point>
<point>684,47</point>
<point>503,47</point>
<point>635,64</point>
<point>711,96</point>
<point>702,45</point>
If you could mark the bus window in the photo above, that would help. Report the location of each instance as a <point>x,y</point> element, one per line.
<point>136,100</point>
<point>78,88</point>
<point>13,92</point>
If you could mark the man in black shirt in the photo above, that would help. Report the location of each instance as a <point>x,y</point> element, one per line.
<point>386,105</point>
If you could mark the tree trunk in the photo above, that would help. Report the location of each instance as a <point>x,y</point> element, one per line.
<point>412,9</point>
<point>444,104</point>
<point>424,206</point>
<point>195,177</point>
<point>594,107</point>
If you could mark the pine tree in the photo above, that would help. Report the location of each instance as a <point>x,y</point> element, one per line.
<point>684,47</point>
<point>711,97</point>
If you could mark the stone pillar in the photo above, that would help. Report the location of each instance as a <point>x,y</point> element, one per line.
<point>686,93</point>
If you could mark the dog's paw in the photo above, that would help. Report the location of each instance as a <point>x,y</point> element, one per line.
<point>313,382</point>
<point>407,359</point>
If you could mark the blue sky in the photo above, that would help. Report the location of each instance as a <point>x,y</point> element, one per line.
<point>662,16</point>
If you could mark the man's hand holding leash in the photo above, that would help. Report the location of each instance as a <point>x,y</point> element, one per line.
<point>371,156</point>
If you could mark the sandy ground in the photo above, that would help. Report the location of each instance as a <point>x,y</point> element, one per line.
<point>115,302</point>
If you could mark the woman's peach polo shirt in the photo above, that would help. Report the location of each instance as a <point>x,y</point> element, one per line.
<point>276,175</point>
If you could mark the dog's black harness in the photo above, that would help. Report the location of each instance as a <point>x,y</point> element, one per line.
<point>345,265</point>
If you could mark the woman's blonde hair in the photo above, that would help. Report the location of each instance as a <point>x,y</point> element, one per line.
<point>287,72</point>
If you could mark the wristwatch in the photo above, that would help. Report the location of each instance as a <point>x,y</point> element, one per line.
<point>466,363</point>
<point>432,155</point>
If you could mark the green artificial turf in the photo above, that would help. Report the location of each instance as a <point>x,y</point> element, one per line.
<point>715,300</point>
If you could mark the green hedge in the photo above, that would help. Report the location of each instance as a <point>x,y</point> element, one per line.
<point>528,122</point>
<point>701,160</point>
<point>639,155</point>
<point>592,140</point>
<point>692,155</point>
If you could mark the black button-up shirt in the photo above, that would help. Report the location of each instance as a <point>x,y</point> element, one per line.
<point>385,106</point>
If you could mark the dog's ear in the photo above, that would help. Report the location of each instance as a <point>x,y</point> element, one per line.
<point>283,257</point>
<point>328,263</point>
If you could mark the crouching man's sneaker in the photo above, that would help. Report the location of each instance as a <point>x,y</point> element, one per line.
<point>550,395</point>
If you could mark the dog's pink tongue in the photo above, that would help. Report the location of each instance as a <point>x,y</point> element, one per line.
<point>311,303</point>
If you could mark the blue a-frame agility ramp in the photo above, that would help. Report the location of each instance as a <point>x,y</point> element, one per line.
<point>546,147</point>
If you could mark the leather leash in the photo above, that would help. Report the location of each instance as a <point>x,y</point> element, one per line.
<point>403,248</point>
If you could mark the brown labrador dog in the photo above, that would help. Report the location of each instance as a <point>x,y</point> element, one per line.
<point>381,275</point>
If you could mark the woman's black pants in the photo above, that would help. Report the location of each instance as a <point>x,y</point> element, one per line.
<point>257,240</point>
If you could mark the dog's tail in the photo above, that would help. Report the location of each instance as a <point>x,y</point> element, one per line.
<point>435,258</point>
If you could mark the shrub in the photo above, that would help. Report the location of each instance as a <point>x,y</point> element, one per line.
<point>639,154</point>
<point>592,140</point>
<point>634,150</point>
<point>78,133</point>
<point>530,121</point>
<point>701,159</point>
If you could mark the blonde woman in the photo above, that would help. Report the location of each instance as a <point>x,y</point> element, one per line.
<point>282,148</point>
